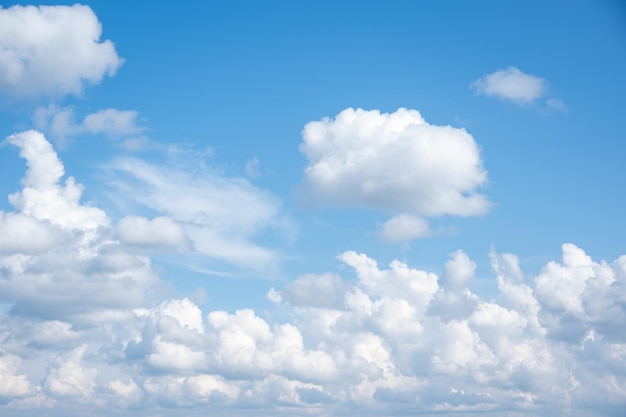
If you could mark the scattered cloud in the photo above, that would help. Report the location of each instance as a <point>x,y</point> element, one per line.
<point>516,86</point>
<point>52,50</point>
<point>393,162</point>
<point>59,123</point>
<point>113,122</point>
<point>90,315</point>
<point>511,84</point>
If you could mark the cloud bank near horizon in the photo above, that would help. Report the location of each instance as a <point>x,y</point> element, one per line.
<point>89,323</point>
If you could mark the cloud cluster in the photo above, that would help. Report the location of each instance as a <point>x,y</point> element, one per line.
<point>89,325</point>
<point>52,50</point>
<point>393,162</point>
<point>59,260</point>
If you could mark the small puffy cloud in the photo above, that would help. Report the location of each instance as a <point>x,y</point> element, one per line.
<point>516,86</point>
<point>403,227</point>
<point>59,122</point>
<point>511,84</point>
<point>160,231</point>
<point>113,122</point>
<point>393,162</point>
<point>52,50</point>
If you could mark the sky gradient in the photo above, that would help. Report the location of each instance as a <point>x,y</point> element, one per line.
<point>313,208</point>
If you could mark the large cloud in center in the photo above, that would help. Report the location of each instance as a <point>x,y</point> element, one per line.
<point>393,162</point>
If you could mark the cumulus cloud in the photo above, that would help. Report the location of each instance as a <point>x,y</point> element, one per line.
<point>52,50</point>
<point>381,345</point>
<point>393,162</point>
<point>57,258</point>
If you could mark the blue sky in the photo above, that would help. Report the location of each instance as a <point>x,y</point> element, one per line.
<point>312,208</point>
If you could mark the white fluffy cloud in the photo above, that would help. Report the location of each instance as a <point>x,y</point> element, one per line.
<point>58,260</point>
<point>52,50</point>
<point>516,86</point>
<point>394,162</point>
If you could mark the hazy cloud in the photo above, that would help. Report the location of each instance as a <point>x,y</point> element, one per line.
<point>220,215</point>
<point>59,122</point>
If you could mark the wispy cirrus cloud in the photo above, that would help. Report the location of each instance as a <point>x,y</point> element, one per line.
<point>220,215</point>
